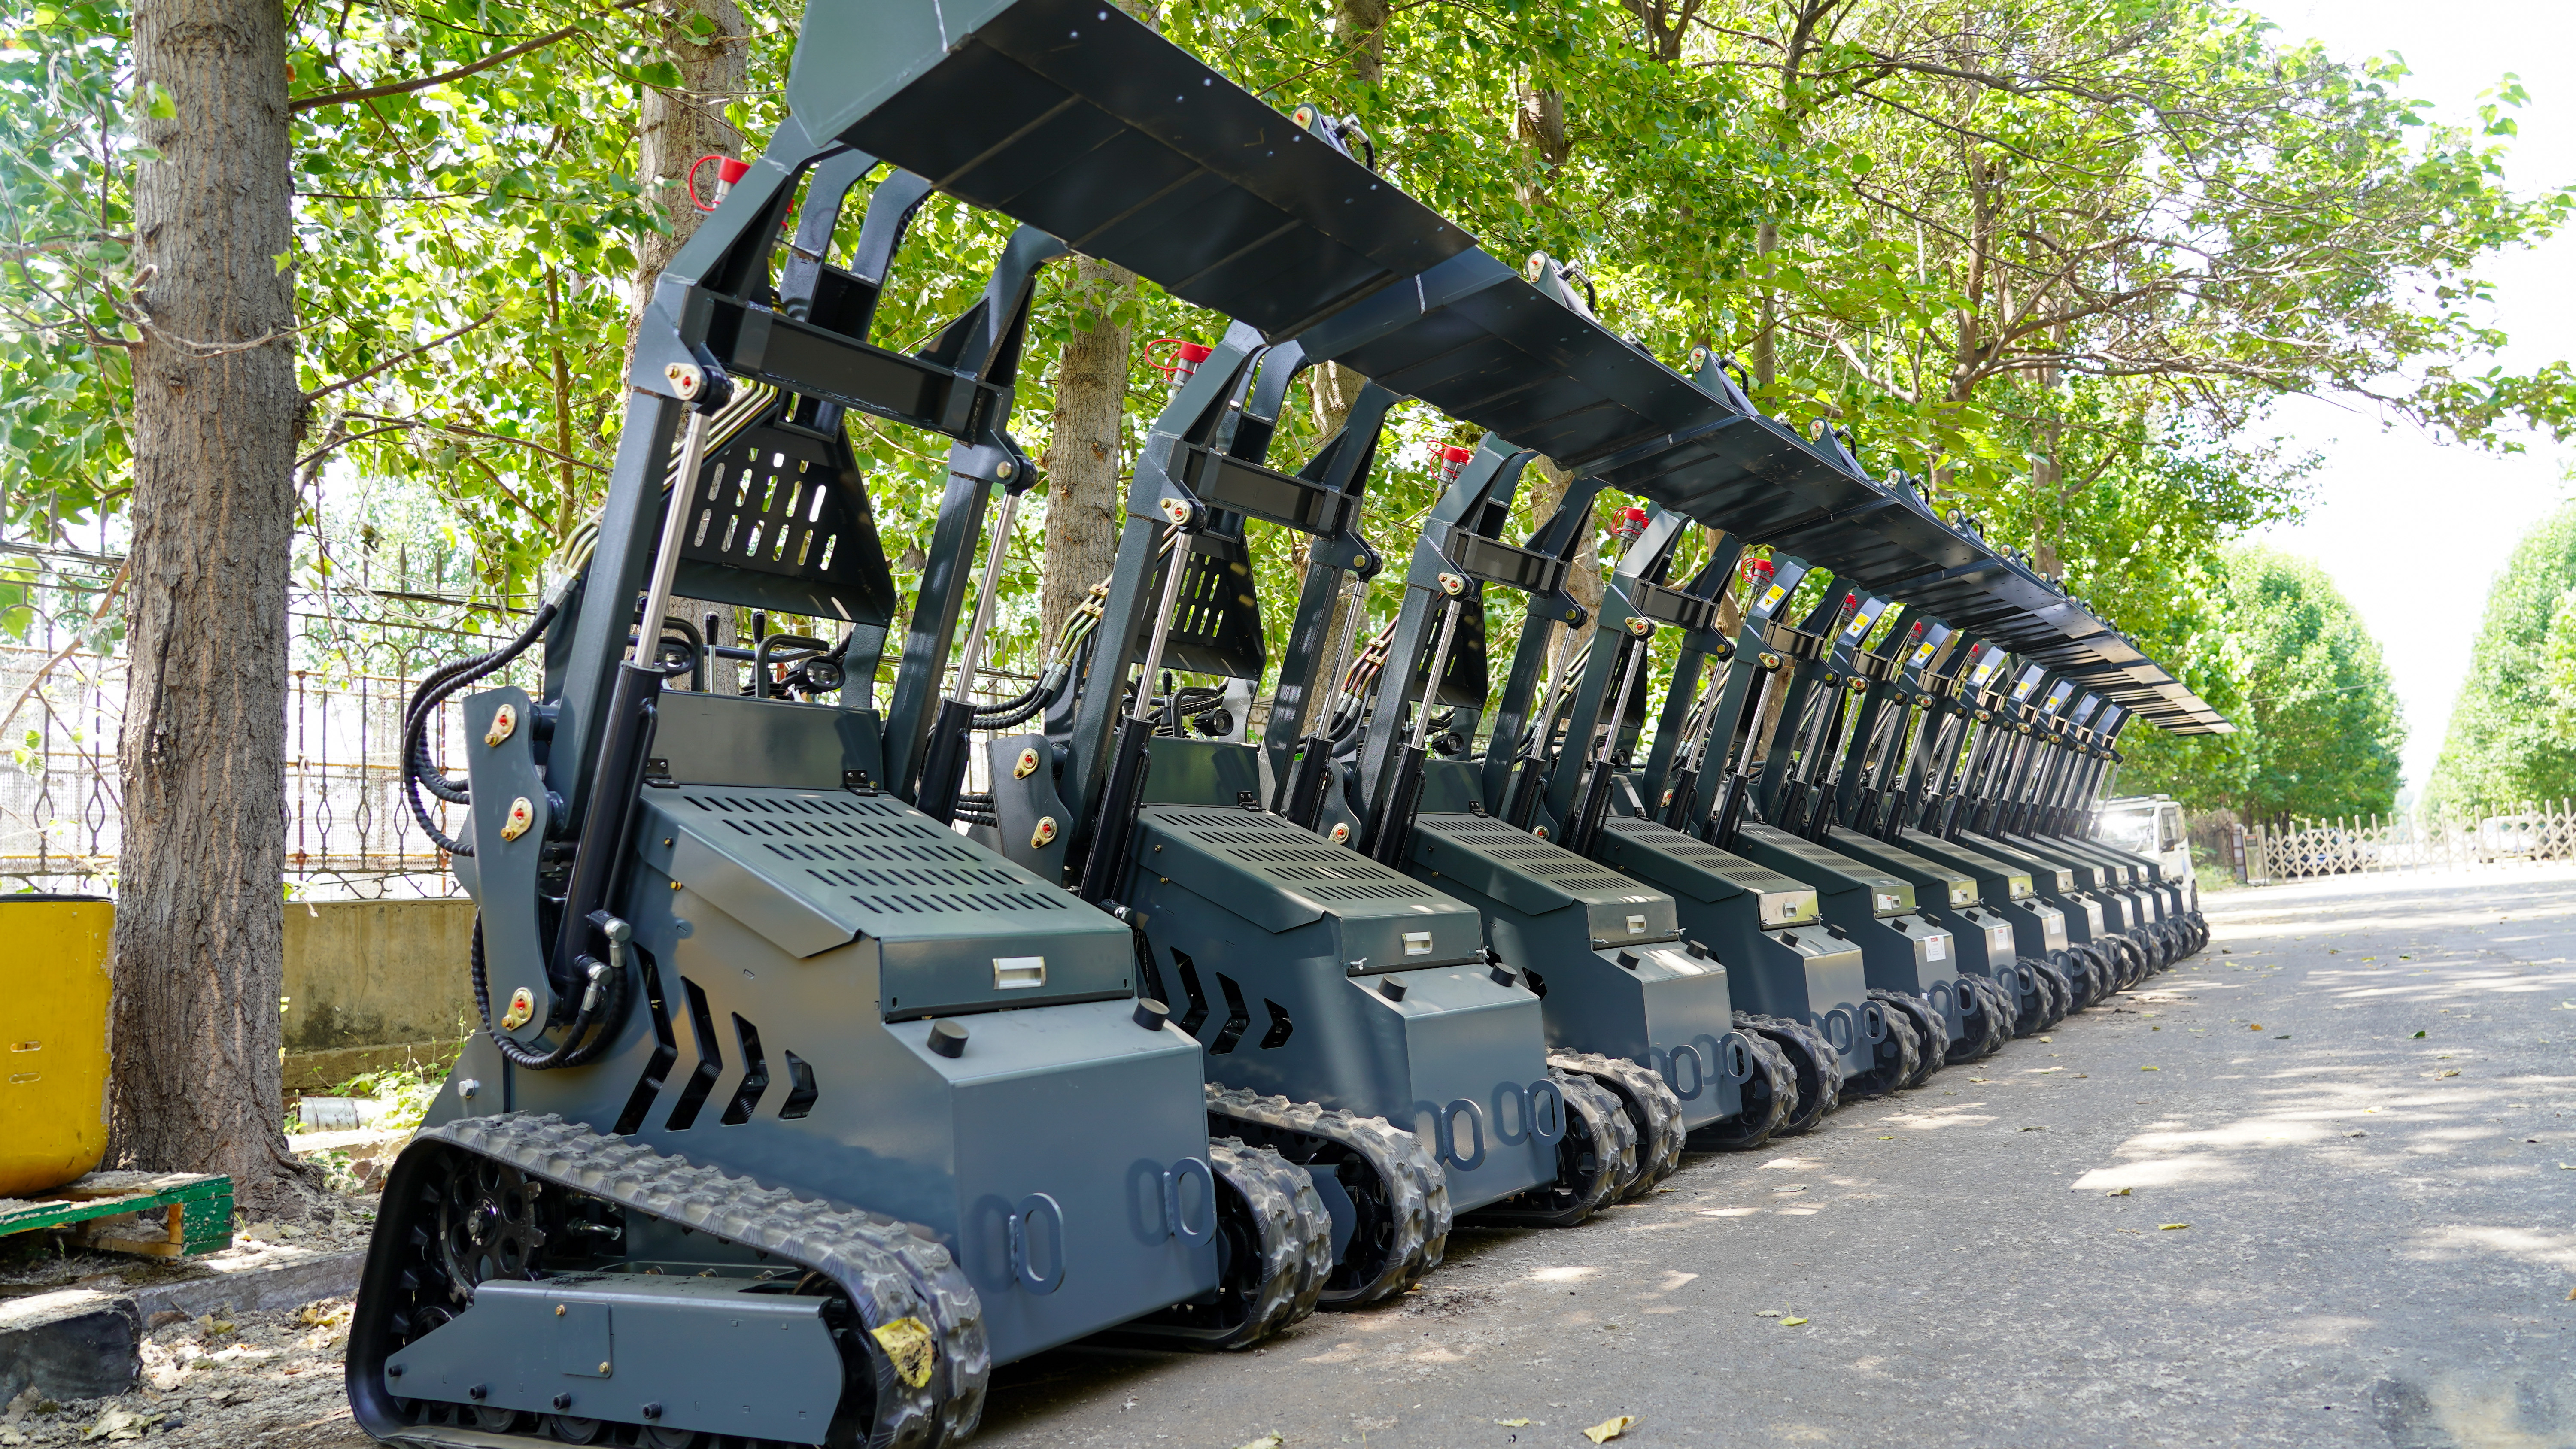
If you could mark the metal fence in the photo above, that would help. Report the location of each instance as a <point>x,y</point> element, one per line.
<point>348,831</point>
<point>2495,837</point>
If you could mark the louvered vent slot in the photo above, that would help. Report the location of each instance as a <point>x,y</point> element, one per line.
<point>875,853</point>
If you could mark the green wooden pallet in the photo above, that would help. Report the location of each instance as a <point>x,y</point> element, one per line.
<point>194,1212</point>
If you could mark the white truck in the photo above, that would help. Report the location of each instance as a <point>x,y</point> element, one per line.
<point>2151,825</point>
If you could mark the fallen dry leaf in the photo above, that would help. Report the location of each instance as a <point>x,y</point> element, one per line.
<point>1609,1429</point>
<point>2450,1071</point>
<point>1270,1440</point>
<point>2151,1069</point>
<point>1791,1322</point>
<point>1513,1423</point>
<point>2169,1227</point>
<point>2117,1192</point>
<point>2253,1026</point>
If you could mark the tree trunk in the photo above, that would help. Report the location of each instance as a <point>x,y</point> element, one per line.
<point>199,924</point>
<point>673,129</point>
<point>1331,389</point>
<point>1360,25</point>
<point>1539,121</point>
<point>1583,579</point>
<point>1085,451</point>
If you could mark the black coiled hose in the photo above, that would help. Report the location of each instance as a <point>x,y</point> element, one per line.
<point>418,771</point>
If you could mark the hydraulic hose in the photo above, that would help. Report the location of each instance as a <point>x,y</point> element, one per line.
<point>602,1011</point>
<point>418,770</point>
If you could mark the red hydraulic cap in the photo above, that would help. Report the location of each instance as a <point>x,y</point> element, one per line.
<point>1452,460</point>
<point>1182,363</point>
<point>728,171</point>
<point>1632,522</point>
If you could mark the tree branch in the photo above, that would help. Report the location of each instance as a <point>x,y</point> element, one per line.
<point>397,88</point>
<point>439,341</point>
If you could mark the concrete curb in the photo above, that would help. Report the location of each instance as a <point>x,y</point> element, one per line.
<point>78,1343</point>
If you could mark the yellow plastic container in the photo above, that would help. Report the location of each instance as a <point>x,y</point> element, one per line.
<point>53,1039</point>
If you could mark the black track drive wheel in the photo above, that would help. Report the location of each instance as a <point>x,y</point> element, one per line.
<point>2030,997</point>
<point>1399,1194</point>
<point>1991,1024</point>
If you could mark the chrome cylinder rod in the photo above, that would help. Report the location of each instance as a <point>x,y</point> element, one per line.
<point>675,527</point>
<point>972,655</point>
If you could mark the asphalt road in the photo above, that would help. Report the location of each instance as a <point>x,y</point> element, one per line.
<point>2316,1186</point>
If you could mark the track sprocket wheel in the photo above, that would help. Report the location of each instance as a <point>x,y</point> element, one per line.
<point>1990,1025</point>
<point>1399,1193</point>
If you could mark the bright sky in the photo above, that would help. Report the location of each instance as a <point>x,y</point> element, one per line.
<point>2394,509</point>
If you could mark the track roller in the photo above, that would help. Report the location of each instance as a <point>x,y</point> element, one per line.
<point>1652,1110</point>
<point>1400,1195</point>
<point>1595,1162</point>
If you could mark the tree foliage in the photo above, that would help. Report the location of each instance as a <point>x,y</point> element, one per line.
<point>2054,258</point>
<point>2513,729</point>
<point>2318,728</point>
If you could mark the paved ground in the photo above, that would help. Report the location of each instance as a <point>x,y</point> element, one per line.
<point>2380,1245</point>
<point>2380,1250</point>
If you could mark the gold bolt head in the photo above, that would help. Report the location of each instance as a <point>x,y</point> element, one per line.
<point>1027,765</point>
<point>523,1004</point>
<point>1044,835</point>
<point>504,721</point>
<point>1452,585</point>
<point>1641,627</point>
<point>523,814</point>
<point>685,379</point>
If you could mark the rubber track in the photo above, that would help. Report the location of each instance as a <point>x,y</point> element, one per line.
<point>888,1272</point>
<point>1417,1190</point>
<point>1820,1080</point>
<point>1931,1033</point>
<point>2053,997</point>
<point>1296,1234</point>
<point>1603,1124</point>
<point>2032,997</point>
<point>1764,1111</point>
<point>1886,1078</point>
<point>1651,1106</point>
<point>1992,1026</point>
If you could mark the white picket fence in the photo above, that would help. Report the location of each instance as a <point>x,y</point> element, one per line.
<point>2306,849</point>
